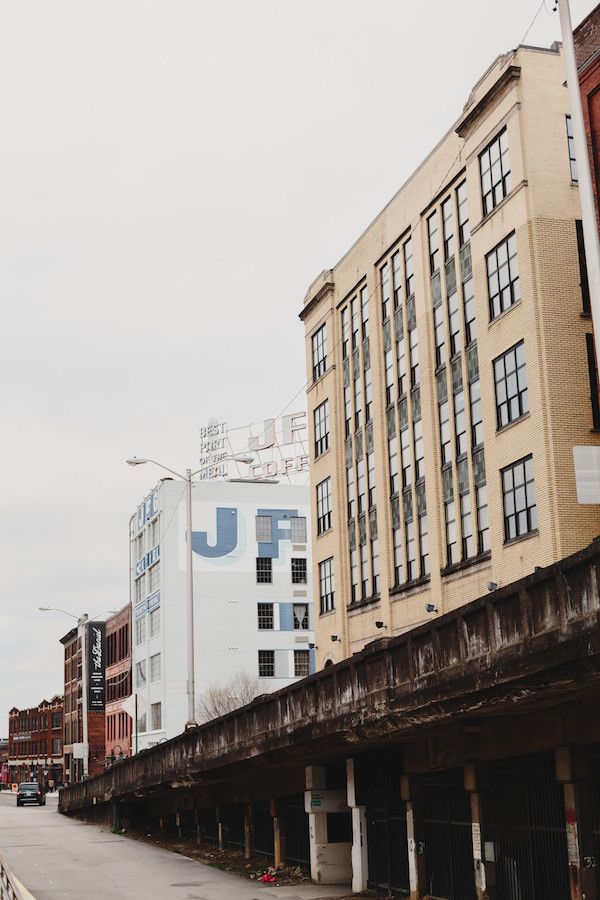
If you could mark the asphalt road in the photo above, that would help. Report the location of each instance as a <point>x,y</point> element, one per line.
<point>55,857</point>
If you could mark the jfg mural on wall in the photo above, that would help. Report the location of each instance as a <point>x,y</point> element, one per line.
<point>225,536</point>
<point>279,448</point>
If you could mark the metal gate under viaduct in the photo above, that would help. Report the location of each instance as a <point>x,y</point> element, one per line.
<point>458,760</point>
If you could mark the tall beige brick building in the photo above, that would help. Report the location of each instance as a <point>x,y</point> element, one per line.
<point>448,355</point>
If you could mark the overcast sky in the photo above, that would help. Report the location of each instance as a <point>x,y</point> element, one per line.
<point>173,175</point>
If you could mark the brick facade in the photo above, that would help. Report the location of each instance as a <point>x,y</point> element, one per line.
<point>35,743</point>
<point>420,522</point>
<point>118,683</point>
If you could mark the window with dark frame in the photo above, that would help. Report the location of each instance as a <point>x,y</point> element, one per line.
<point>464,232</point>
<point>409,268</point>
<point>503,276</point>
<point>301,663</point>
<point>266,620</point>
<point>593,376</point>
<point>298,570</point>
<point>326,585</point>
<point>384,274</point>
<point>434,243</point>
<point>447,228</point>
<point>494,167</point>
<point>510,377</point>
<point>583,275</point>
<point>321,419</point>
<point>264,570</point>
<point>518,491</point>
<point>571,148</point>
<point>324,506</point>
<point>266,663</point>
<point>319,352</point>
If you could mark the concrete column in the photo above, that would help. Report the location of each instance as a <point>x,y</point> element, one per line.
<point>416,858</point>
<point>197,823</point>
<point>219,827</point>
<point>278,835</point>
<point>330,863</point>
<point>249,832</point>
<point>573,771</point>
<point>360,866</point>
<point>178,824</point>
<point>473,776</point>
<point>317,822</point>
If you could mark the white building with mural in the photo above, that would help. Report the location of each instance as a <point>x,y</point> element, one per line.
<point>253,610</point>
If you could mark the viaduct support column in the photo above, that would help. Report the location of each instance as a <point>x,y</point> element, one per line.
<point>360,866</point>
<point>330,860</point>
<point>416,858</point>
<point>574,772</point>
<point>474,785</point>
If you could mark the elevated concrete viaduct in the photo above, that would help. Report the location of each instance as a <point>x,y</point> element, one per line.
<point>460,759</point>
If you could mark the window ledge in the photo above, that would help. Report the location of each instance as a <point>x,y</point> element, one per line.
<point>321,455</point>
<point>585,315</point>
<point>327,531</point>
<point>492,322</point>
<point>522,537</point>
<point>466,563</point>
<point>503,202</point>
<point>370,601</point>
<point>514,422</point>
<point>328,612</point>
<point>318,380</point>
<point>410,586</point>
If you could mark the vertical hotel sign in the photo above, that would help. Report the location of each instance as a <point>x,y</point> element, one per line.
<point>96,665</point>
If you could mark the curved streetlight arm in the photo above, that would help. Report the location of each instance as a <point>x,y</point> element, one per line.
<point>56,609</point>
<point>166,468</point>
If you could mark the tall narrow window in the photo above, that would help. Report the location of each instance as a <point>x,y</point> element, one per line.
<point>464,232</point>
<point>321,416</point>
<point>469,307</point>
<point>324,506</point>
<point>409,268</point>
<point>503,276</point>
<point>384,274</point>
<point>434,243</point>
<point>494,166</point>
<point>593,376</point>
<point>451,538</point>
<point>518,489</point>
<point>483,528</point>
<point>510,376</point>
<point>571,147</point>
<point>319,352</point>
<point>156,713</point>
<point>326,585</point>
<point>397,279</point>
<point>583,275</point>
<point>155,668</point>
<point>448,228</point>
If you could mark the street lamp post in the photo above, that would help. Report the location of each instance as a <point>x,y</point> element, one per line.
<point>187,478</point>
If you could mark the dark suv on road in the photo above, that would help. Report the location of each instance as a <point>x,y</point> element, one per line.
<point>30,792</point>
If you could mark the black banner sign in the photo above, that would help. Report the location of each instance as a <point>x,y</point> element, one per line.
<point>96,665</point>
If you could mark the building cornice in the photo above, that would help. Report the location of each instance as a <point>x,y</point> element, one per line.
<point>310,305</point>
<point>512,73</point>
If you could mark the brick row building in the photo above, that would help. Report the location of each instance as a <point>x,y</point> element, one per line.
<point>35,743</point>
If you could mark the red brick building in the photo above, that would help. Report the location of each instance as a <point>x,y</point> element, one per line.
<point>35,743</point>
<point>76,644</point>
<point>118,683</point>
<point>587,53</point>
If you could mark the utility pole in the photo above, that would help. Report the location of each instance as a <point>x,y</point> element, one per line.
<point>586,191</point>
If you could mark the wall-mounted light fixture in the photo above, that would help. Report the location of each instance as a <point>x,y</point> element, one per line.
<point>334,637</point>
<point>492,586</point>
<point>380,625</point>
<point>431,607</point>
